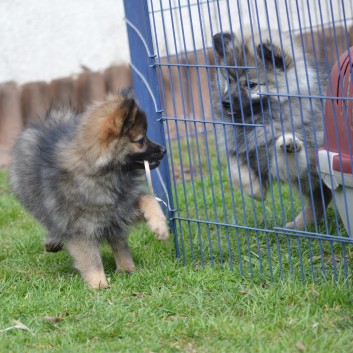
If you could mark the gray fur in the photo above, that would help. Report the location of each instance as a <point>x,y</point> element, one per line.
<point>80,175</point>
<point>70,202</point>
<point>282,68</point>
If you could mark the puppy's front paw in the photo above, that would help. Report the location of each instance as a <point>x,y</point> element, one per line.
<point>159,228</point>
<point>289,143</point>
<point>154,216</point>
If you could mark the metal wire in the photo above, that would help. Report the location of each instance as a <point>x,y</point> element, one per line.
<point>214,219</point>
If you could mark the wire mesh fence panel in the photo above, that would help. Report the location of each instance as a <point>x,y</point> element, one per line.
<point>256,104</point>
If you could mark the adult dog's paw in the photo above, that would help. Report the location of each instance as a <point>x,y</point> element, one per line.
<point>289,143</point>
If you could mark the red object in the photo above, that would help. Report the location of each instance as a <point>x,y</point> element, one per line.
<point>339,114</point>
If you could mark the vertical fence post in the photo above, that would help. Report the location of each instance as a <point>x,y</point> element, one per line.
<point>145,83</point>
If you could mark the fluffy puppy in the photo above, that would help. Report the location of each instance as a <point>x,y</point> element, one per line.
<point>80,175</point>
<point>275,134</point>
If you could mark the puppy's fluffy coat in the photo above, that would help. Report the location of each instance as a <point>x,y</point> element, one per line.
<point>79,174</point>
<point>289,130</point>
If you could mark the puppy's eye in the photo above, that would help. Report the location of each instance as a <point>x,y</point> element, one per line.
<point>252,84</point>
<point>141,142</point>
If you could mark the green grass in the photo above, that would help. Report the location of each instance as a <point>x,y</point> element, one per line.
<point>249,239</point>
<point>163,306</point>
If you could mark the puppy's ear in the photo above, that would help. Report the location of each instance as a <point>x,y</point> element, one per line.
<point>127,92</point>
<point>112,118</point>
<point>273,56</point>
<point>118,115</point>
<point>222,43</point>
<point>128,111</point>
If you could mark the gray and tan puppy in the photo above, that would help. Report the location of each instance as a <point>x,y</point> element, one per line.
<point>289,129</point>
<point>80,175</point>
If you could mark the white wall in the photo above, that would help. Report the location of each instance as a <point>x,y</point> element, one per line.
<point>46,39</point>
<point>214,16</point>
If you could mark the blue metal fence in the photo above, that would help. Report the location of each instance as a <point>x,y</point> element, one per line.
<point>222,104</point>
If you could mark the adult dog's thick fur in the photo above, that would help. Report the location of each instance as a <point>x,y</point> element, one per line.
<point>289,129</point>
<point>79,174</point>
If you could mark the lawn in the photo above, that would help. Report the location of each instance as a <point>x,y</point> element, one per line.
<point>163,307</point>
<point>218,225</point>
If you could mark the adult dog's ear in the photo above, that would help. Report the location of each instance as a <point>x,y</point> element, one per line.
<point>223,45</point>
<point>274,56</point>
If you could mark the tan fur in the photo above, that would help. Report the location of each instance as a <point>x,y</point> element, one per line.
<point>106,120</point>
<point>122,256</point>
<point>154,216</point>
<point>101,135</point>
<point>92,163</point>
<point>88,262</point>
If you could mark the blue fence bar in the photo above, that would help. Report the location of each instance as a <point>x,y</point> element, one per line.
<point>145,84</point>
<point>228,80</point>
